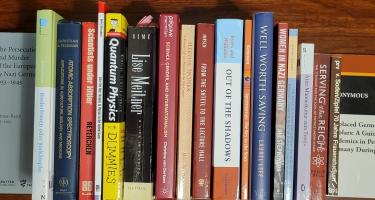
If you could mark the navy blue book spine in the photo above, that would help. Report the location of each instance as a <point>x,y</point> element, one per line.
<point>67,113</point>
<point>262,105</point>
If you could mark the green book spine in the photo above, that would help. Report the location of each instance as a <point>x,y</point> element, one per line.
<point>44,118</point>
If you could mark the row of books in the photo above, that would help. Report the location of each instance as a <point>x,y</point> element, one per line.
<point>231,110</point>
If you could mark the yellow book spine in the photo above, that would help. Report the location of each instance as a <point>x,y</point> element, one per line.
<point>113,161</point>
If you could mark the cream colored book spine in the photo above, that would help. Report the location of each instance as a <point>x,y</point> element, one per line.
<point>185,119</point>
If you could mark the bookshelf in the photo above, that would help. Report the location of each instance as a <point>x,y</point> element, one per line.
<point>344,27</point>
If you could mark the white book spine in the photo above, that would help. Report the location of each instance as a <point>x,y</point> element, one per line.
<point>306,58</point>
<point>44,129</point>
<point>99,107</point>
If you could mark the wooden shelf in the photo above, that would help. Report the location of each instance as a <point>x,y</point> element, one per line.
<point>344,26</point>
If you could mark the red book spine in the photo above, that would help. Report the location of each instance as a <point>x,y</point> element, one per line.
<point>165,186</point>
<point>88,108</point>
<point>203,103</point>
<point>320,126</point>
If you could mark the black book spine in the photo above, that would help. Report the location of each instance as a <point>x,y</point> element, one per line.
<point>140,111</point>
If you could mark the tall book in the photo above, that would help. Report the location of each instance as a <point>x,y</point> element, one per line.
<point>334,125</point>
<point>67,111</point>
<point>203,99</point>
<point>290,124</point>
<point>140,113</point>
<point>246,105</point>
<point>356,152</point>
<point>169,41</point>
<point>44,109</point>
<point>102,9</point>
<point>17,78</point>
<point>280,109</point>
<point>304,121</point>
<point>114,106</point>
<point>262,105</point>
<point>227,106</point>
<point>320,125</point>
<point>88,108</point>
<point>185,111</point>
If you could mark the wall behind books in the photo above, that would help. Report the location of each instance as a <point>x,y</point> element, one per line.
<point>335,27</point>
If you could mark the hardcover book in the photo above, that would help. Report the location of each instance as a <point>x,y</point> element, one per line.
<point>291,114</point>
<point>67,110</point>
<point>140,113</point>
<point>227,106</point>
<point>185,111</point>
<point>320,125</point>
<point>102,9</point>
<point>17,77</point>
<point>334,124</point>
<point>304,120</point>
<point>246,105</point>
<point>44,109</point>
<point>280,109</point>
<point>356,152</point>
<point>114,106</point>
<point>262,105</point>
<point>203,99</point>
<point>88,109</point>
<point>169,51</point>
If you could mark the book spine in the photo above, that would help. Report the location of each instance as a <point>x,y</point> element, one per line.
<point>203,100</point>
<point>88,108</point>
<point>102,9</point>
<point>246,104</point>
<point>280,107</point>
<point>140,113</point>
<point>290,133</point>
<point>185,110</point>
<point>114,107</point>
<point>334,125</point>
<point>68,85</point>
<point>306,60</point>
<point>262,105</point>
<point>169,39</point>
<point>44,115</point>
<point>319,139</point>
<point>227,106</point>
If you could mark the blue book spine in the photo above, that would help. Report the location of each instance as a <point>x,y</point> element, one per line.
<point>291,114</point>
<point>262,105</point>
<point>68,76</point>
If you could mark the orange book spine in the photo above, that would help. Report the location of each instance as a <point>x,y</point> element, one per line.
<point>246,100</point>
<point>88,107</point>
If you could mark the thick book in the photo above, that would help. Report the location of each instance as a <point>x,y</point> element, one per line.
<point>44,109</point>
<point>88,109</point>
<point>67,110</point>
<point>169,51</point>
<point>140,113</point>
<point>17,77</point>
<point>262,105</point>
<point>114,106</point>
<point>280,109</point>
<point>304,120</point>
<point>185,111</point>
<point>290,124</point>
<point>227,106</point>
<point>356,139</point>
<point>334,125</point>
<point>246,105</point>
<point>102,9</point>
<point>202,122</point>
<point>320,125</point>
